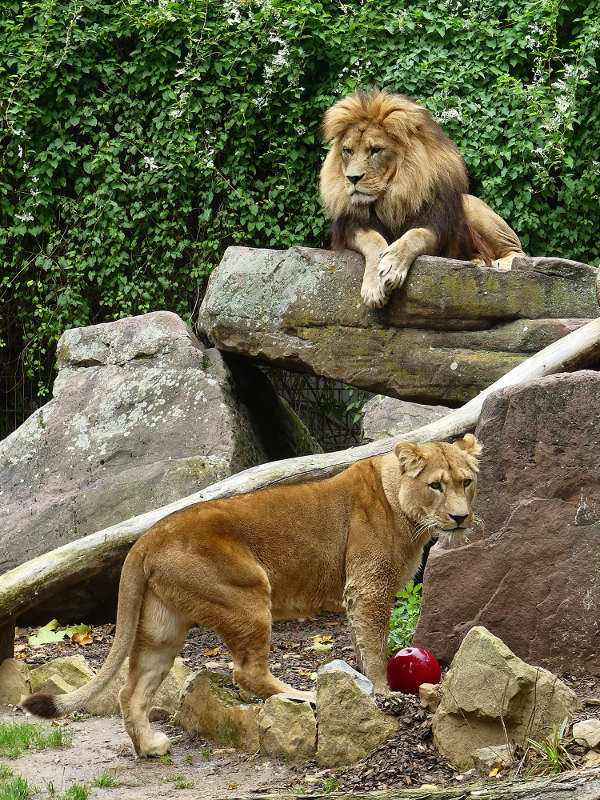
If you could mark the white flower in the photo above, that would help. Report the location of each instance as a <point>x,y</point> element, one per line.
<point>149,163</point>
<point>24,217</point>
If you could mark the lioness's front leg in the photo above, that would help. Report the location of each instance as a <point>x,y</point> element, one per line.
<point>368,599</point>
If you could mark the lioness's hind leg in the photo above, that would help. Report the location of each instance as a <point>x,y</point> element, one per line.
<point>161,633</point>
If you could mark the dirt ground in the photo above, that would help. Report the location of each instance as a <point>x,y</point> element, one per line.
<point>199,768</point>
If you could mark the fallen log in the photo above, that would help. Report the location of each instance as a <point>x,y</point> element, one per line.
<point>581,784</point>
<point>37,579</point>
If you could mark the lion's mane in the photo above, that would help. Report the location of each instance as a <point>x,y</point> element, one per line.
<point>426,189</point>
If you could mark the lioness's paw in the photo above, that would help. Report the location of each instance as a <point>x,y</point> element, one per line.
<point>157,744</point>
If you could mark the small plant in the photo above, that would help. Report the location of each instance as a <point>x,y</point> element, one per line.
<point>105,780</point>
<point>189,759</point>
<point>329,785</point>
<point>404,616</point>
<point>15,738</point>
<point>165,760</point>
<point>554,755</point>
<point>205,752</point>
<point>5,772</point>
<point>298,789</point>
<point>17,789</point>
<point>181,782</point>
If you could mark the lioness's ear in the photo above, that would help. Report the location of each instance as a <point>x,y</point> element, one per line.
<point>469,444</point>
<point>411,458</point>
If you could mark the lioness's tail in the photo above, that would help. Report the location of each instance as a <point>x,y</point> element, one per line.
<point>131,594</point>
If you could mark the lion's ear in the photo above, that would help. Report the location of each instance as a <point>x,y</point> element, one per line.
<point>337,120</point>
<point>411,458</point>
<point>403,122</point>
<point>469,444</point>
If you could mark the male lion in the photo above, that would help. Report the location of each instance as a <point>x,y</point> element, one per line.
<point>234,565</point>
<point>395,187</point>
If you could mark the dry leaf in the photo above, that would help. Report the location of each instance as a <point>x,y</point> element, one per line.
<point>493,772</point>
<point>216,652</point>
<point>81,639</point>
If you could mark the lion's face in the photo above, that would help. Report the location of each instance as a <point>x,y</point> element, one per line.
<point>438,482</point>
<point>388,151</point>
<point>369,159</point>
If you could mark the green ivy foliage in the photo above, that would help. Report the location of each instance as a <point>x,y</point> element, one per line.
<point>139,138</point>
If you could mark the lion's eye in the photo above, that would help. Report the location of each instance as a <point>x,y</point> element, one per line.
<point>467,482</point>
<point>375,150</point>
<point>346,151</point>
<point>436,485</point>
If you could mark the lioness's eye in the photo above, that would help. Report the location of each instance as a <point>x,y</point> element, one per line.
<point>435,485</point>
<point>375,150</point>
<point>347,151</point>
<point>467,482</point>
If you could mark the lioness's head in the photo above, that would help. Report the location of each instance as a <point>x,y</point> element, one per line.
<point>386,149</point>
<point>438,482</point>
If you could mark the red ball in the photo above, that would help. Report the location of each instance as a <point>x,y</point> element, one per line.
<point>410,667</point>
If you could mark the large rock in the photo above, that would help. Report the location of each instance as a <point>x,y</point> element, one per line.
<point>167,696</point>
<point>450,331</point>
<point>14,681</point>
<point>142,415</point>
<point>212,707</point>
<point>489,695</point>
<point>387,416</point>
<point>530,572</point>
<point>287,728</point>
<point>351,725</point>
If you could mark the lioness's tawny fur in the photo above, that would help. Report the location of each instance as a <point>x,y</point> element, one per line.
<point>233,565</point>
<point>395,187</point>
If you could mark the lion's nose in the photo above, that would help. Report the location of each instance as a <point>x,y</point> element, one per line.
<point>355,178</point>
<point>458,518</point>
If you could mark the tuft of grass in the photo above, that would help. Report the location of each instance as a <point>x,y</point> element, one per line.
<point>329,785</point>
<point>165,760</point>
<point>75,792</point>
<point>206,752</point>
<point>17,737</point>
<point>5,772</point>
<point>181,782</point>
<point>189,759</point>
<point>17,789</point>
<point>105,780</point>
<point>553,753</point>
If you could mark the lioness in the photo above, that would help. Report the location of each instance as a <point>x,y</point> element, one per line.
<point>395,187</point>
<point>234,565</point>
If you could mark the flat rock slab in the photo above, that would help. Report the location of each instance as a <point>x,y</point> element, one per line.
<point>449,332</point>
<point>530,570</point>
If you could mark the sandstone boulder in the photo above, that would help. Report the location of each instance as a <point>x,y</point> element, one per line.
<point>287,728</point>
<point>449,332</point>
<point>587,732</point>
<point>529,572</point>
<point>142,415</point>
<point>351,725</point>
<point>490,695</point>
<point>211,706</point>
<point>14,681</point>
<point>74,671</point>
<point>387,416</point>
<point>167,696</point>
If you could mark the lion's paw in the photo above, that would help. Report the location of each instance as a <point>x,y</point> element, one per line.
<point>391,270</point>
<point>373,294</point>
<point>502,265</point>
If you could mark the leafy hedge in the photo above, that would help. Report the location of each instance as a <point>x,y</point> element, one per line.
<point>139,138</point>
